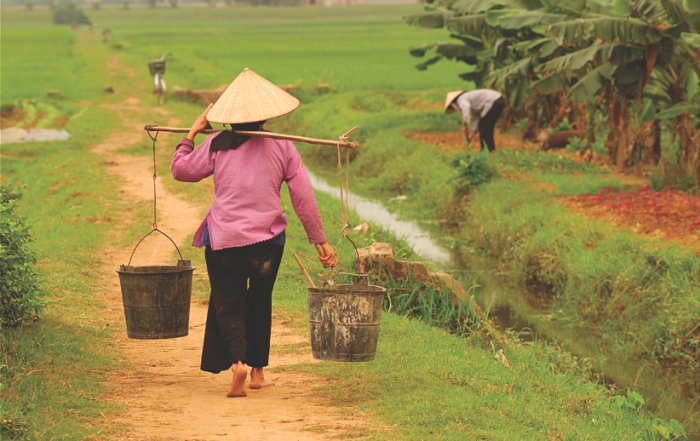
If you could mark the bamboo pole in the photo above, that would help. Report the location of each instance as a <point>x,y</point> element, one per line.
<point>343,143</point>
<point>303,270</point>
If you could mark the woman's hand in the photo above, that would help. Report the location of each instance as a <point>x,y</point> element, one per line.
<point>328,258</point>
<point>467,134</point>
<point>200,123</point>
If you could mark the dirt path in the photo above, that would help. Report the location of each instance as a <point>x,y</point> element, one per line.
<point>167,396</point>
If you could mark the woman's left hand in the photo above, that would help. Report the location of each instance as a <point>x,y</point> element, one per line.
<point>328,259</point>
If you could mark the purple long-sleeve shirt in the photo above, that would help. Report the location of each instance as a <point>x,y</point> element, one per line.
<point>247,184</point>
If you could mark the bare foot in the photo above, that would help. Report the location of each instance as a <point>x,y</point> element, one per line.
<point>257,379</point>
<point>238,384</point>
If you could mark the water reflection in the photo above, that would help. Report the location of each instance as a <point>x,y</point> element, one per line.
<point>371,211</point>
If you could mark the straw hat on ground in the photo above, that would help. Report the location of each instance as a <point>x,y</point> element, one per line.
<point>251,98</point>
<point>451,97</point>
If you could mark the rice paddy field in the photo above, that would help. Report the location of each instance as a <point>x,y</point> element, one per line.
<point>431,379</point>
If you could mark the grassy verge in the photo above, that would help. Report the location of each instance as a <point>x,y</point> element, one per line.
<point>54,370</point>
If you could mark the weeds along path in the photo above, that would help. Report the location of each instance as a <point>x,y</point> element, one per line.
<point>166,396</point>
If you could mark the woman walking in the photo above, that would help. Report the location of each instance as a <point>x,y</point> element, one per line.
<point>244,230</point>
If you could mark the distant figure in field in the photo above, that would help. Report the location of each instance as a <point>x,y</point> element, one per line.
<point>484,106</point>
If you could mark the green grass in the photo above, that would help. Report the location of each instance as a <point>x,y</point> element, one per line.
<point>360,49</point>
<point>576,184</point>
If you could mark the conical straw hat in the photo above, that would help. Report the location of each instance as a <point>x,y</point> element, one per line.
<point>251,98</point>
<point>451,96</point>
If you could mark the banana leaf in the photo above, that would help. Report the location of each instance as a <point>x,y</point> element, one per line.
<point>494,15</point>
<point>479,6</point>
<point>469,76</point>
<point>424,65</point>
<point>429,19</point>
<point>629,73</point>
<point>691,6</point>
<point>607,29</point>
<point>675,11</point>
<point>648,10</point>
<point>589,86</point>
<point>419,51</point>
<point>571,32</point>
<point>692,86</point>
<point>573,60</point>
<point>474,25</point>
<point>679,108</point>
<point>518,95</point>
<point>548,48</point>
<point>600,7</point>
<point>565,5</point>
<point>648,110</point>
<point>621,8</point>
<point>528,19</point>
<point>551,83</point>
<point>691,39</point>
<point>457,51</point>
<point>520,68</point>
<point>625,31</point>
<point>656,93</point>
<point>620,54</point>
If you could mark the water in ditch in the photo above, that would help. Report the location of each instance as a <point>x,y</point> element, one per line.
<point>508,308</point>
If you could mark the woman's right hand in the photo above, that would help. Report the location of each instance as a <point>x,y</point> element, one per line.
<point>200,123</point>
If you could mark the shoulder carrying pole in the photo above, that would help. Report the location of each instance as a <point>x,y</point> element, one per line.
<point>341,143</point>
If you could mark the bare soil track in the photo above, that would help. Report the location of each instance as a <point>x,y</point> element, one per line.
<point>167,397</point>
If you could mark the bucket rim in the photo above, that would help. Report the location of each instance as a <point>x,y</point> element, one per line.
<point>364,289</point>
<point>124,269</point>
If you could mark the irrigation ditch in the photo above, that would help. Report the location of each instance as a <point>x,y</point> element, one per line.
<point>511,310</point>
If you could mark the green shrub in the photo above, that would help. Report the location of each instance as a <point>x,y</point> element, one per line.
<point>473,169</point>
<point>20,296</point>
<point>576,144</point>
<point>563,126</point>
<point>70,14</point>
<point>519,161</point>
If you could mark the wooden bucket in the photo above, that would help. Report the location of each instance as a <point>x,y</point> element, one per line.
<point>156,298</point>
<point>344,320</point>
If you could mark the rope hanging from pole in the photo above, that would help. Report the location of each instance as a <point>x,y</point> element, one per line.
<point>155,176</point>
<point>345,192</point>
<point>155,211</point>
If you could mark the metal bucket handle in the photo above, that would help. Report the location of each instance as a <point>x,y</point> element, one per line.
<point>149,233</point>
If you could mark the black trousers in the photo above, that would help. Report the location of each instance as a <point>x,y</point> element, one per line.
<point>239,320</point>
<point>487,124</point>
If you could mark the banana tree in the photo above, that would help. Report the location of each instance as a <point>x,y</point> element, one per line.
<point>608,55</point>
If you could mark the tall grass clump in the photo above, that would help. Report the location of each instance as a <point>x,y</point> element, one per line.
<point>435,305</point>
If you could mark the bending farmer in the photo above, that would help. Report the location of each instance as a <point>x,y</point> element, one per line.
<point>484,106</point>
<point>244,230</point>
